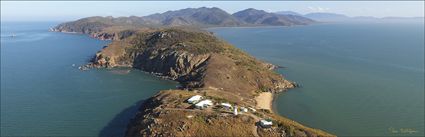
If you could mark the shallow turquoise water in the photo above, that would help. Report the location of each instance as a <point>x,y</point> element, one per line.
<point>357,79</point>
<point>42,94</point>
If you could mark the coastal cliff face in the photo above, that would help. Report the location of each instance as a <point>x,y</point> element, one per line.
<point>204,65</point>
<point>102,33</point>
<point>196,59</point>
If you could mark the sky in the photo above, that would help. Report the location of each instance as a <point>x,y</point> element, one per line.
<point>71,10</point>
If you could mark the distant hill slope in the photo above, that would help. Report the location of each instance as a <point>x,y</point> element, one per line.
<point>327,17</point>
<point>190,17</point>
<point>195,16</point>
<point>334,17</point>
<point>288,13</point>
<point>261,17</point>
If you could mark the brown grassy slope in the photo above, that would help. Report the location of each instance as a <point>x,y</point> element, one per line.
<point>248,79</point>
<point>167,114</point>
<point>227,67</point>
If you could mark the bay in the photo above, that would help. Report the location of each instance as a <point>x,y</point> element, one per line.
<point>44,94</point>
<point>357,79</point>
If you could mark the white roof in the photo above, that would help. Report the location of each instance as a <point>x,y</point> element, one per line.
<point>244,109</point>
<point>252,109</point>
<point>265,122</point>
<point>194,98</point>
<point>204,102</point>
<point>226,104</point>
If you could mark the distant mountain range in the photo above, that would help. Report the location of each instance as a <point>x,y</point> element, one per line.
<point>192,17</point>
<point>288,13</point>
<point>261,17</point>
<point>327,17</point>
<point>334,17</point>
<point>211,17</point>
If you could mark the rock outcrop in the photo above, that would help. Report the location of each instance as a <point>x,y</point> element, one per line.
<point>113,33</point>
<point>196,59</point>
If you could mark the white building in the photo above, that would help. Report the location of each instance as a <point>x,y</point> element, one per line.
<point>235,111</point>
<point>266,123</point>
<point>252,109</point>
<point>203,104</point>
<point>243,109</point>
<point>226,105</point>
<point>194,99</point>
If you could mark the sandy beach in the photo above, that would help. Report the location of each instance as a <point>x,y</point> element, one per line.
<point>264,100</point>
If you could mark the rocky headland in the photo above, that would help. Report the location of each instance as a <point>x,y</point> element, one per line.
<point>204,65</point>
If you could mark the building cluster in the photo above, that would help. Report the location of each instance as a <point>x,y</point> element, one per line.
<point>200,103</point>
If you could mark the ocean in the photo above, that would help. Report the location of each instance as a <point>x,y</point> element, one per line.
<point>356,79</point>
<point>44,94</point>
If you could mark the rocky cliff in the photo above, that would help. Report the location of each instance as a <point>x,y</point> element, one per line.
<point>194,58</point>
<point>110,33</point>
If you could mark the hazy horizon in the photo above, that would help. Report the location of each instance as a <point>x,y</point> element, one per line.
<point>48,11</point>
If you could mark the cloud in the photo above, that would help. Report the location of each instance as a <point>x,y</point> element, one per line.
<point>317,9</point>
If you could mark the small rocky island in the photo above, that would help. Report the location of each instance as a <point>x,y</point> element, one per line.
<point>221,86</point>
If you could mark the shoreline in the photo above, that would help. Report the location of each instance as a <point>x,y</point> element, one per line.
<point>271,105</point>
<point>247,27</point>
<point>263,26</point>
<point>264,100</point>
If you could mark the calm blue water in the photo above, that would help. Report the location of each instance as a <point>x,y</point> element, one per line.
<point>357,79</point>
<point>42,94</point>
